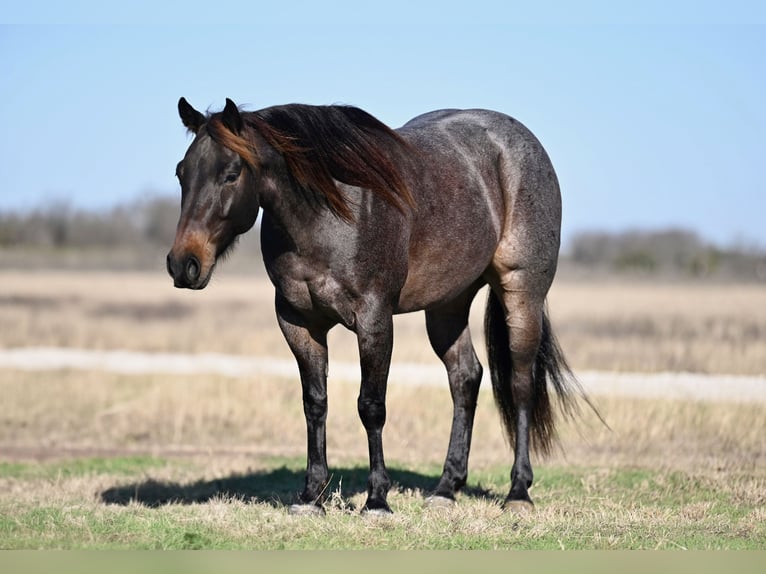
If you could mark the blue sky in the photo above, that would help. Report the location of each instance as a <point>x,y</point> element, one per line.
<point>654,116</point>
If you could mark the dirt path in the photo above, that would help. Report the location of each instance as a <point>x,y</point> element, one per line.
<point>689,386</point>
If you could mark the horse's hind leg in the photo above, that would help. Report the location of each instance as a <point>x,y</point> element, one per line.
<point>523,304</point>
<point>451,340</point>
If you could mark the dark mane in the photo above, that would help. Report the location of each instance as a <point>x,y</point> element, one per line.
<point>325,144</point>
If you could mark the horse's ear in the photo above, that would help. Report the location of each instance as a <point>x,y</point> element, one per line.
<point>231,117</point>
<point>190,117</point>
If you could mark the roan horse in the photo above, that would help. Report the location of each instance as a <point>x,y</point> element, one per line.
<point>361,222</point>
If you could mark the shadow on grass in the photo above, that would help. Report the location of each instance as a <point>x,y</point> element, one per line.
<point>277,487</point>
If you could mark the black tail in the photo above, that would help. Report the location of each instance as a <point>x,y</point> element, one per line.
<point>550,364</point>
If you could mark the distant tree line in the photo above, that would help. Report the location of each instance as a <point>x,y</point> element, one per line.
<point>139,234</point>
<point>59,225</point>
<point>669,252</point>
<point>136,235</point>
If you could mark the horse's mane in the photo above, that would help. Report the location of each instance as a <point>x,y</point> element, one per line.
<point>322,145</point>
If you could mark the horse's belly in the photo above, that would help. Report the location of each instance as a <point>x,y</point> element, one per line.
<point>438,280</point>
<point>449,252</point>
<point>415,299</point>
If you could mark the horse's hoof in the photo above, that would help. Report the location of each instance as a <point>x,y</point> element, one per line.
<point>436,501</point>
<point>306,510</point>
<point>519,506</point>
<point>377,512</point>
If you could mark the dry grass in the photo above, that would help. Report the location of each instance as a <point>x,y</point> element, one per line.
<point>226,455</point>
<point>138,311</point>
<point>47,413</point>
<point>668,474</point>
<point>713,328</point>
<point>643,326</point>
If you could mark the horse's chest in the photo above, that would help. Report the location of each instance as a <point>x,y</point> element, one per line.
<point>321,294</point>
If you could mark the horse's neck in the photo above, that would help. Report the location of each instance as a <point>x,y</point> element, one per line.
<point>295,223</point>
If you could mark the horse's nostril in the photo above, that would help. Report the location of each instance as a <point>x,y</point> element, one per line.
<point>169,265</point>
<point>192,268</point>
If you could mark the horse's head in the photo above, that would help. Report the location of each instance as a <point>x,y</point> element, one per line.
<point>218,196</point>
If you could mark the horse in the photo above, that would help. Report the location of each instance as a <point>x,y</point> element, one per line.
<point>361,222</point>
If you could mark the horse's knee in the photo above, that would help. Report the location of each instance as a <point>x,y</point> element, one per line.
<point>372,412</point>
<point>315,407</point>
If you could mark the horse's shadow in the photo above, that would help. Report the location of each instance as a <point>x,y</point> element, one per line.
<point>278,487</point>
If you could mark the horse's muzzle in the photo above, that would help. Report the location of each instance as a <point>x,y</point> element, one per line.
<point>185,272</point>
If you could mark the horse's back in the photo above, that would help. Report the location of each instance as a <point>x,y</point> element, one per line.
<point>470,123</point>
<point>478,137</point>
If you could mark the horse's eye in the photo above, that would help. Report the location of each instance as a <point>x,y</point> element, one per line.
<point>231,177</point>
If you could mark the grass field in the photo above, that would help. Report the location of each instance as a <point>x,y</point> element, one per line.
<point>604,325</point>
<point>99,460</point>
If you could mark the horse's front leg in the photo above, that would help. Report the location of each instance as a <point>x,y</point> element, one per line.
<point>308,343</point>
<point>375,336</point>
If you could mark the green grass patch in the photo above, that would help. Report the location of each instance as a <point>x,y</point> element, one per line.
<point>146,503</point>
<point>130,465</point>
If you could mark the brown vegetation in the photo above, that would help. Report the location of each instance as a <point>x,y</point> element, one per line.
<point>609,325</point>
<point>192,416</point>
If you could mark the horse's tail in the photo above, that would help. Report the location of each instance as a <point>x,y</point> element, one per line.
<point>550,365</point>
